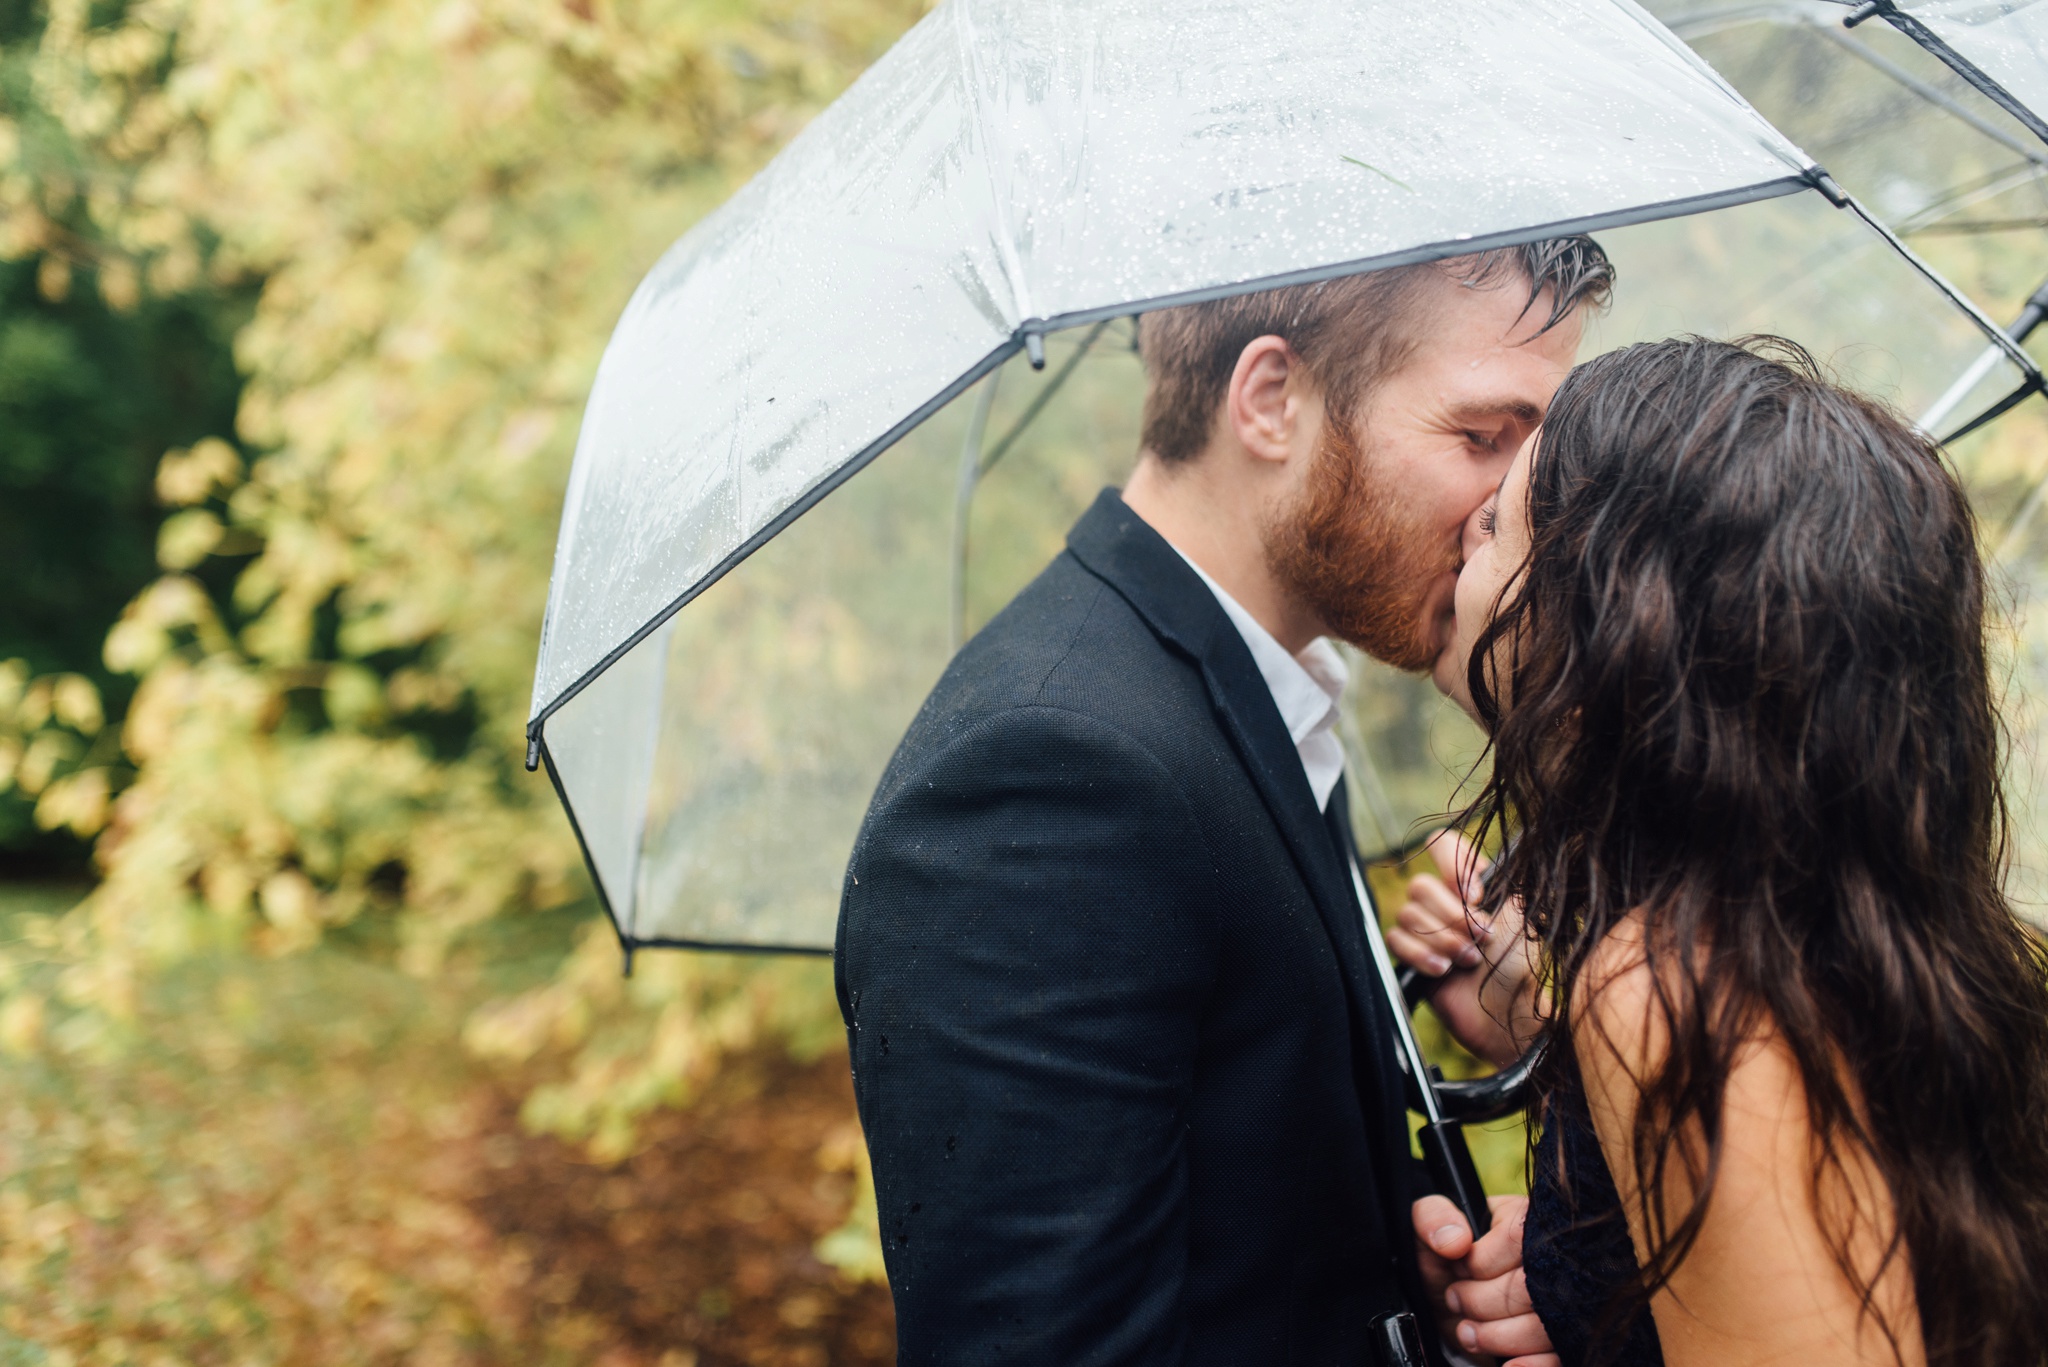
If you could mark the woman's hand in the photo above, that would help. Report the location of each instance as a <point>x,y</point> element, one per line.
<point>1482,1299</point>
<point>1487,968</point>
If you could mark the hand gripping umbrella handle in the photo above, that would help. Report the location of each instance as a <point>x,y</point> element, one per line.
<point>1473,1100</point>
<point>1451,1169</point>
<point>1397,1341</point>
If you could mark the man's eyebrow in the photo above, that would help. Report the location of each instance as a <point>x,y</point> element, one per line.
<point>1519,409</point>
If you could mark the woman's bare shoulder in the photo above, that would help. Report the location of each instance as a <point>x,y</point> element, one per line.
<point>1617,1030</point>
<point>1762,1283</point>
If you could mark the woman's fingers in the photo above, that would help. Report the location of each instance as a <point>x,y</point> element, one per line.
<point>1433,930</point>
<point>1459,858</point>
<point>1534,1360</point>
<point>1440,1227</point>
<point>1504,1338</point>
<point>1504,1297</point>
<point>1435,901</point>
<point>1450,931</point>
<point>1417,952</point>
<point>1441,1238</point>
<point>1499,1251</point>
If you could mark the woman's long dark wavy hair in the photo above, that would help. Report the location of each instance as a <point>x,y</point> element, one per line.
<point>1742,690</point>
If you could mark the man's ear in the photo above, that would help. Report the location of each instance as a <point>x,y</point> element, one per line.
<point>1263,403</point>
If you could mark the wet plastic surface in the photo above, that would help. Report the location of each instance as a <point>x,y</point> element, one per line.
<point>1018,160</point>
<point>989,173</point>
<point>785,687</point>
<point>2005,39</point>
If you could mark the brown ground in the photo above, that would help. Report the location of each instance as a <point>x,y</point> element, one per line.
<point>697,1251</point>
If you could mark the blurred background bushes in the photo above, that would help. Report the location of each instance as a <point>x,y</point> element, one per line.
<point>298,307</point>
<point>352,266</point>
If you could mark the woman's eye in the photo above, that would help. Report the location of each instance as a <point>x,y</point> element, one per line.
<point>1486,520</point>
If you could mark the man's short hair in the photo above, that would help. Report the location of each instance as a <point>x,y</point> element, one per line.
<point>1350,332</point>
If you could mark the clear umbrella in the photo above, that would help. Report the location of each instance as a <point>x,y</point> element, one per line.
<point>1900,116</point>
<point>720,684</point>
<point>1998,46</point>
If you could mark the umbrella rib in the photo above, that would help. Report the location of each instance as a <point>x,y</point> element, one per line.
<point>963,501</point>
<point>2014,352</point>
<point>1955,61</point>
<point>1980,226</point>
<point>774,527</point>
<point>1934,96</point>
<point>2026,390</point>
<point>1045,396</point>
<point>974,465</point>
<point>1928,220</point>
<point>1683,207</point>
<point>727,946</point>
<point>539,744</point>
<point>1705,23</point>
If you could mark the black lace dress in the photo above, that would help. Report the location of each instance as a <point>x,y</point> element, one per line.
<point>1576,1248</point>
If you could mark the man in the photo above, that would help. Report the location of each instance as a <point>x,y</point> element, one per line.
<point>1127,1083</point>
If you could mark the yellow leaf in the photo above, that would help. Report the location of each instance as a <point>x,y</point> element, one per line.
<point>188,476</point>
<point>292,905</point>
<point>13,682</point>
<point>53,278</point>
<point>77,703</point>
<point>355,696</point>
<point>187,538</point>
<point>120,284</point>
<point>38,766</point>
<point>21,1023</point>
<point>78,801</point>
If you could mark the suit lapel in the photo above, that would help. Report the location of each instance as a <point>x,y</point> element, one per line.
<point>1123,550</point>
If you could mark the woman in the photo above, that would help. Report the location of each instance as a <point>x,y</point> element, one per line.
<point>1724,623</point>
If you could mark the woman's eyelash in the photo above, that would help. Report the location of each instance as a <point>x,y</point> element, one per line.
<point>1486,519</point>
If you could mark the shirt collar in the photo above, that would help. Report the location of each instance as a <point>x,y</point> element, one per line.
<point>1305,687</point>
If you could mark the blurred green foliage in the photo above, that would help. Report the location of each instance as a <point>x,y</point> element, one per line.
<point>274,1166</point>
<point>90,399</point>
<point>93,390</point>
<point>420,221</point>
<point>440,209</point>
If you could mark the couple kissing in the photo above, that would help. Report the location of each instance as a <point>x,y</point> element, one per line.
<point>1129,1090</point>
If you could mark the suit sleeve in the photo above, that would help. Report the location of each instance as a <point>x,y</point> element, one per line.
<point>1026,943</point>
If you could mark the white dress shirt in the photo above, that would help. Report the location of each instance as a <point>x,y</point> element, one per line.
<point>1305,688</point>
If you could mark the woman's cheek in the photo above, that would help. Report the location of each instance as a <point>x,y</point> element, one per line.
<point>1469,599</point>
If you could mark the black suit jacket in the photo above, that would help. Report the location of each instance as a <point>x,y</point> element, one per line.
<point>1129,1091</point>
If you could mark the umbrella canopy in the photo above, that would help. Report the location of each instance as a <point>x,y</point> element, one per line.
<point>1903,118</point>
<point>1952,170</point>
<point>1998,46</point>
<point>1008,171</point>
<point>1931,155</point>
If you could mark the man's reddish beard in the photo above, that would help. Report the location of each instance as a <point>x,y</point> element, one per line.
<point>1349,550</point>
